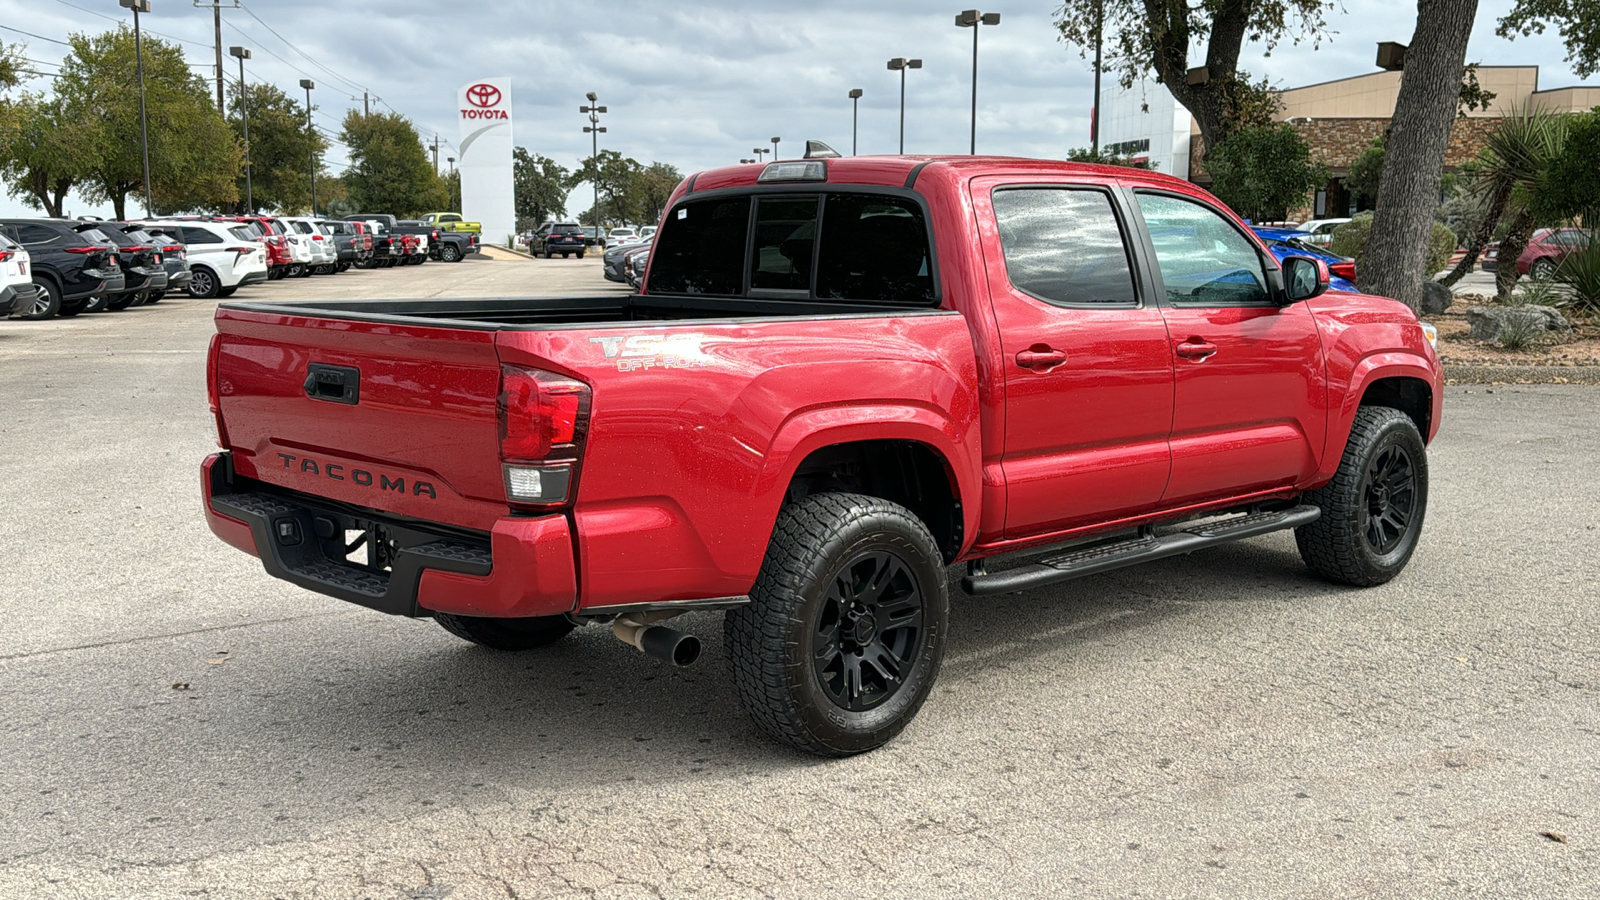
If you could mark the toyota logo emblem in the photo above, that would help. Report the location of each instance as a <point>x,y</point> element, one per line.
<point>483,95</point>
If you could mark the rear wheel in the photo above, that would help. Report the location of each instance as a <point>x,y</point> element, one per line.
<point>580,256</point>
<point>154,297</point>
<point>227,291</point>
<point>95,304</point>
<point>842,639</point>
<point>1372,510</point>
<point>506,634</point>
<point>449,253</point>
<point>202,283</point>
<point>120,302</point>
<point>1543,269</point>
<point>47,302</point>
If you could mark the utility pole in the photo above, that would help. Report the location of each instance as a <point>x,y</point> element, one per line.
<point>139,6</point>
<point>242,54</point>
<point>366,104</point>
<point>216,20</point>
<point>308,84</point>
<point>436,153</point>
<point>1099,34</point>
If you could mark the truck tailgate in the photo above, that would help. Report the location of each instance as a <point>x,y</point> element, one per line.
<point>396,417</point>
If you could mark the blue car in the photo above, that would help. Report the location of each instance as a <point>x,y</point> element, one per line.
<point>1289,242</point>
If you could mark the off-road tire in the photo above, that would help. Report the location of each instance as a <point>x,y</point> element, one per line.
<point>771,640</point>
<point>506,634</point>
<point>47,304</point>
<point>1338,546</point>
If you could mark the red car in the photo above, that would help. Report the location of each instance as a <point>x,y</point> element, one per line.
<point>1544,251</point>
<point>840,377</point>
<point>273,238</point>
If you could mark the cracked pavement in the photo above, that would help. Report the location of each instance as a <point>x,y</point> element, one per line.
<point>1221,725</point>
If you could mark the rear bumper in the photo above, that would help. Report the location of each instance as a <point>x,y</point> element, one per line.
<point>17,299</point>
<point>523,567</point>
<point>253,278</point>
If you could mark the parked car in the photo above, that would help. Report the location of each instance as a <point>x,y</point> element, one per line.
<point>72,263</point>
<point>174,257</point>
<point>17,290</point>
<point>324,255</point>
<point>1287,242</point>
<point>807,415</point>
<point>388,247</point>
<point>223,255</point>
<point>594,236</point>
<point>1320,231</point>
<point>445,246</point>
<point>1544,253</point>
<point>614,262</point>
<point>142,268</point>
<point>450,221</point>
<point>636,262</point>
<point>621,236</point>
<point>280,255</point>
<point>565,238</point>
<point>646,232</point>
<point>350,241</point>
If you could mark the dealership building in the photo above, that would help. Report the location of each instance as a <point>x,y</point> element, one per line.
<point>1339,119</point>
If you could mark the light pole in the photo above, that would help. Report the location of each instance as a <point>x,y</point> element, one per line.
<point>745,161</point>
<point>855,117</point>
<point>775,148</point>
<point>972,19</point>
<point>308,84</point>
<point>760,153</point>
<point>594,130</point>
<point>243,54</point>
<point>139,6</point>
<point>1099,35</point>
<point>452,161</point>
<point>901,64</point>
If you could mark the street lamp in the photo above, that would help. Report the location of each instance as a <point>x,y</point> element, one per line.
<point>308,84</point>
<point>901,64</point>
<point>452,161</point>
<point>972,19</point>
<point>855,117</point>
<point>744,161</point>
<point>594,130</point>
<point>760,153</point>
<point>139,6</point>
<point>775,148</point>
<point>243,54</point>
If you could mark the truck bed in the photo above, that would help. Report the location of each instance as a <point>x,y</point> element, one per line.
<point>494,313</point>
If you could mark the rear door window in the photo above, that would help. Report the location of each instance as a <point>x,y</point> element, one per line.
<point>37,234</point>
<point>702,249</point>
<point>874,249</point>
<point>786,239</point>
<point>1064,246</point>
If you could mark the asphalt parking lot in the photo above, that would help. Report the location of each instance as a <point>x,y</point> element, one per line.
<point>1221,725</point>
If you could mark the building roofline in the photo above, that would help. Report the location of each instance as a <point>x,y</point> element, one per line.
<point>1302,87</point>
<point>1570,87</point>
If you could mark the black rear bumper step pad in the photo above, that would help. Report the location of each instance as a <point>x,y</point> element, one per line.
<point>1146,547</point>
<point>304,545</point>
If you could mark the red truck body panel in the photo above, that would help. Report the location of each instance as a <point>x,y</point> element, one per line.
<point>697,427</point>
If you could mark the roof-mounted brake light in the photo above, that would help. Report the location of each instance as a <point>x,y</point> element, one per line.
<point>802,170</point>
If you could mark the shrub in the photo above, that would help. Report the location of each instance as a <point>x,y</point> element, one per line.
<point>1580,271</point>
<point>1519,332</point>
<point>1537,292</point>
<point>1350,239</point>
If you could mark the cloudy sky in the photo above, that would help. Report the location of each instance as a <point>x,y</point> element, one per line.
<point>699,84</point>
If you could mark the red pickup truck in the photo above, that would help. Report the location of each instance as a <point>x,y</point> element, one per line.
<point>841,377</point>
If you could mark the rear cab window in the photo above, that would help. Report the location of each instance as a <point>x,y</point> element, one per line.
<point>1064,245</point>
<point>820,246</point>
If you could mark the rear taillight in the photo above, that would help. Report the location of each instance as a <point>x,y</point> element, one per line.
<point>214,388</point>
<point>543,420</point>
<point>1344,269</point>
<point>6,255</point>
<point>242,251</point>
<point>173,248</point>
<point>316,237</point>
<point>84,250</point>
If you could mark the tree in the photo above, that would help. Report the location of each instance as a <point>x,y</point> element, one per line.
<point>1515,157</point>
<point>1366,172</point>
<point>613,175</point>
<point>389,170</point>
<point>651,189</point>
<point>10,66</point>
<point>1103,158</point>
<point>1414,149</point>
<point>1261,172</point>
<point>281,148</point>
<point>193,158</point>
<point>1570,184</point>
<point>41,152</point>
<point>1153,37</point>
<point>1577,20</point>
<point>539,187</point>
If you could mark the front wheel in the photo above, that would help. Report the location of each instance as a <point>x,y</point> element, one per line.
<point>506,634</point>
<point>842,639</point>
<point>1373,508</point>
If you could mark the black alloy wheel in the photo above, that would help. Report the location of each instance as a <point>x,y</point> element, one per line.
<point>868,630</point>
<point>1373,509</point>
<point>1390,495</point>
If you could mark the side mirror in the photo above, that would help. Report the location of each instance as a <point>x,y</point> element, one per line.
<point>1304,277</point>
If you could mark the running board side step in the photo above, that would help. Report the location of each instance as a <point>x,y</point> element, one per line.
<point>1146,547</point>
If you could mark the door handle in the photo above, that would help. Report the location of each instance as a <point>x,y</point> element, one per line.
<point>1197,350</point>
<point>1041,358</point>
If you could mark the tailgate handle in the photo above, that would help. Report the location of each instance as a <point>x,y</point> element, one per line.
<point>337,384</point>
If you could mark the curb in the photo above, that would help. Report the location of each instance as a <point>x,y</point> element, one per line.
<point>1460,373</point>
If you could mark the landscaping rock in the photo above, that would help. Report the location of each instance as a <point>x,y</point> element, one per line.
<point>1488,322</point>
<point>1436,298</point>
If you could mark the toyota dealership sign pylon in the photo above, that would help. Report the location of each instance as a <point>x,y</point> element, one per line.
<point>484,156</point>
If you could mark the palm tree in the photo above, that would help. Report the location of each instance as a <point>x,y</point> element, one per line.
<point>1508,167</point>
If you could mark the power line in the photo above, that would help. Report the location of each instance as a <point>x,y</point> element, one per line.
<point>35,36</point>
<point>258,46</point>
<point>335,75</point>
<point>121,21</point>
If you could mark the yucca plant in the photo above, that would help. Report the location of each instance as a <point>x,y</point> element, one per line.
<point>1580,272</point>
<point>1520,331</point>
<point>1538,292</point>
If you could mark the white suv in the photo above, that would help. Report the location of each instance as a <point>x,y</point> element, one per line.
<point>324,254</point>
<point>223,256</point>
<point>17,290</point>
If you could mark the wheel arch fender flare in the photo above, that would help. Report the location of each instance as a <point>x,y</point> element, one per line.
<point>1396,364</point>
<point>807,431</point>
